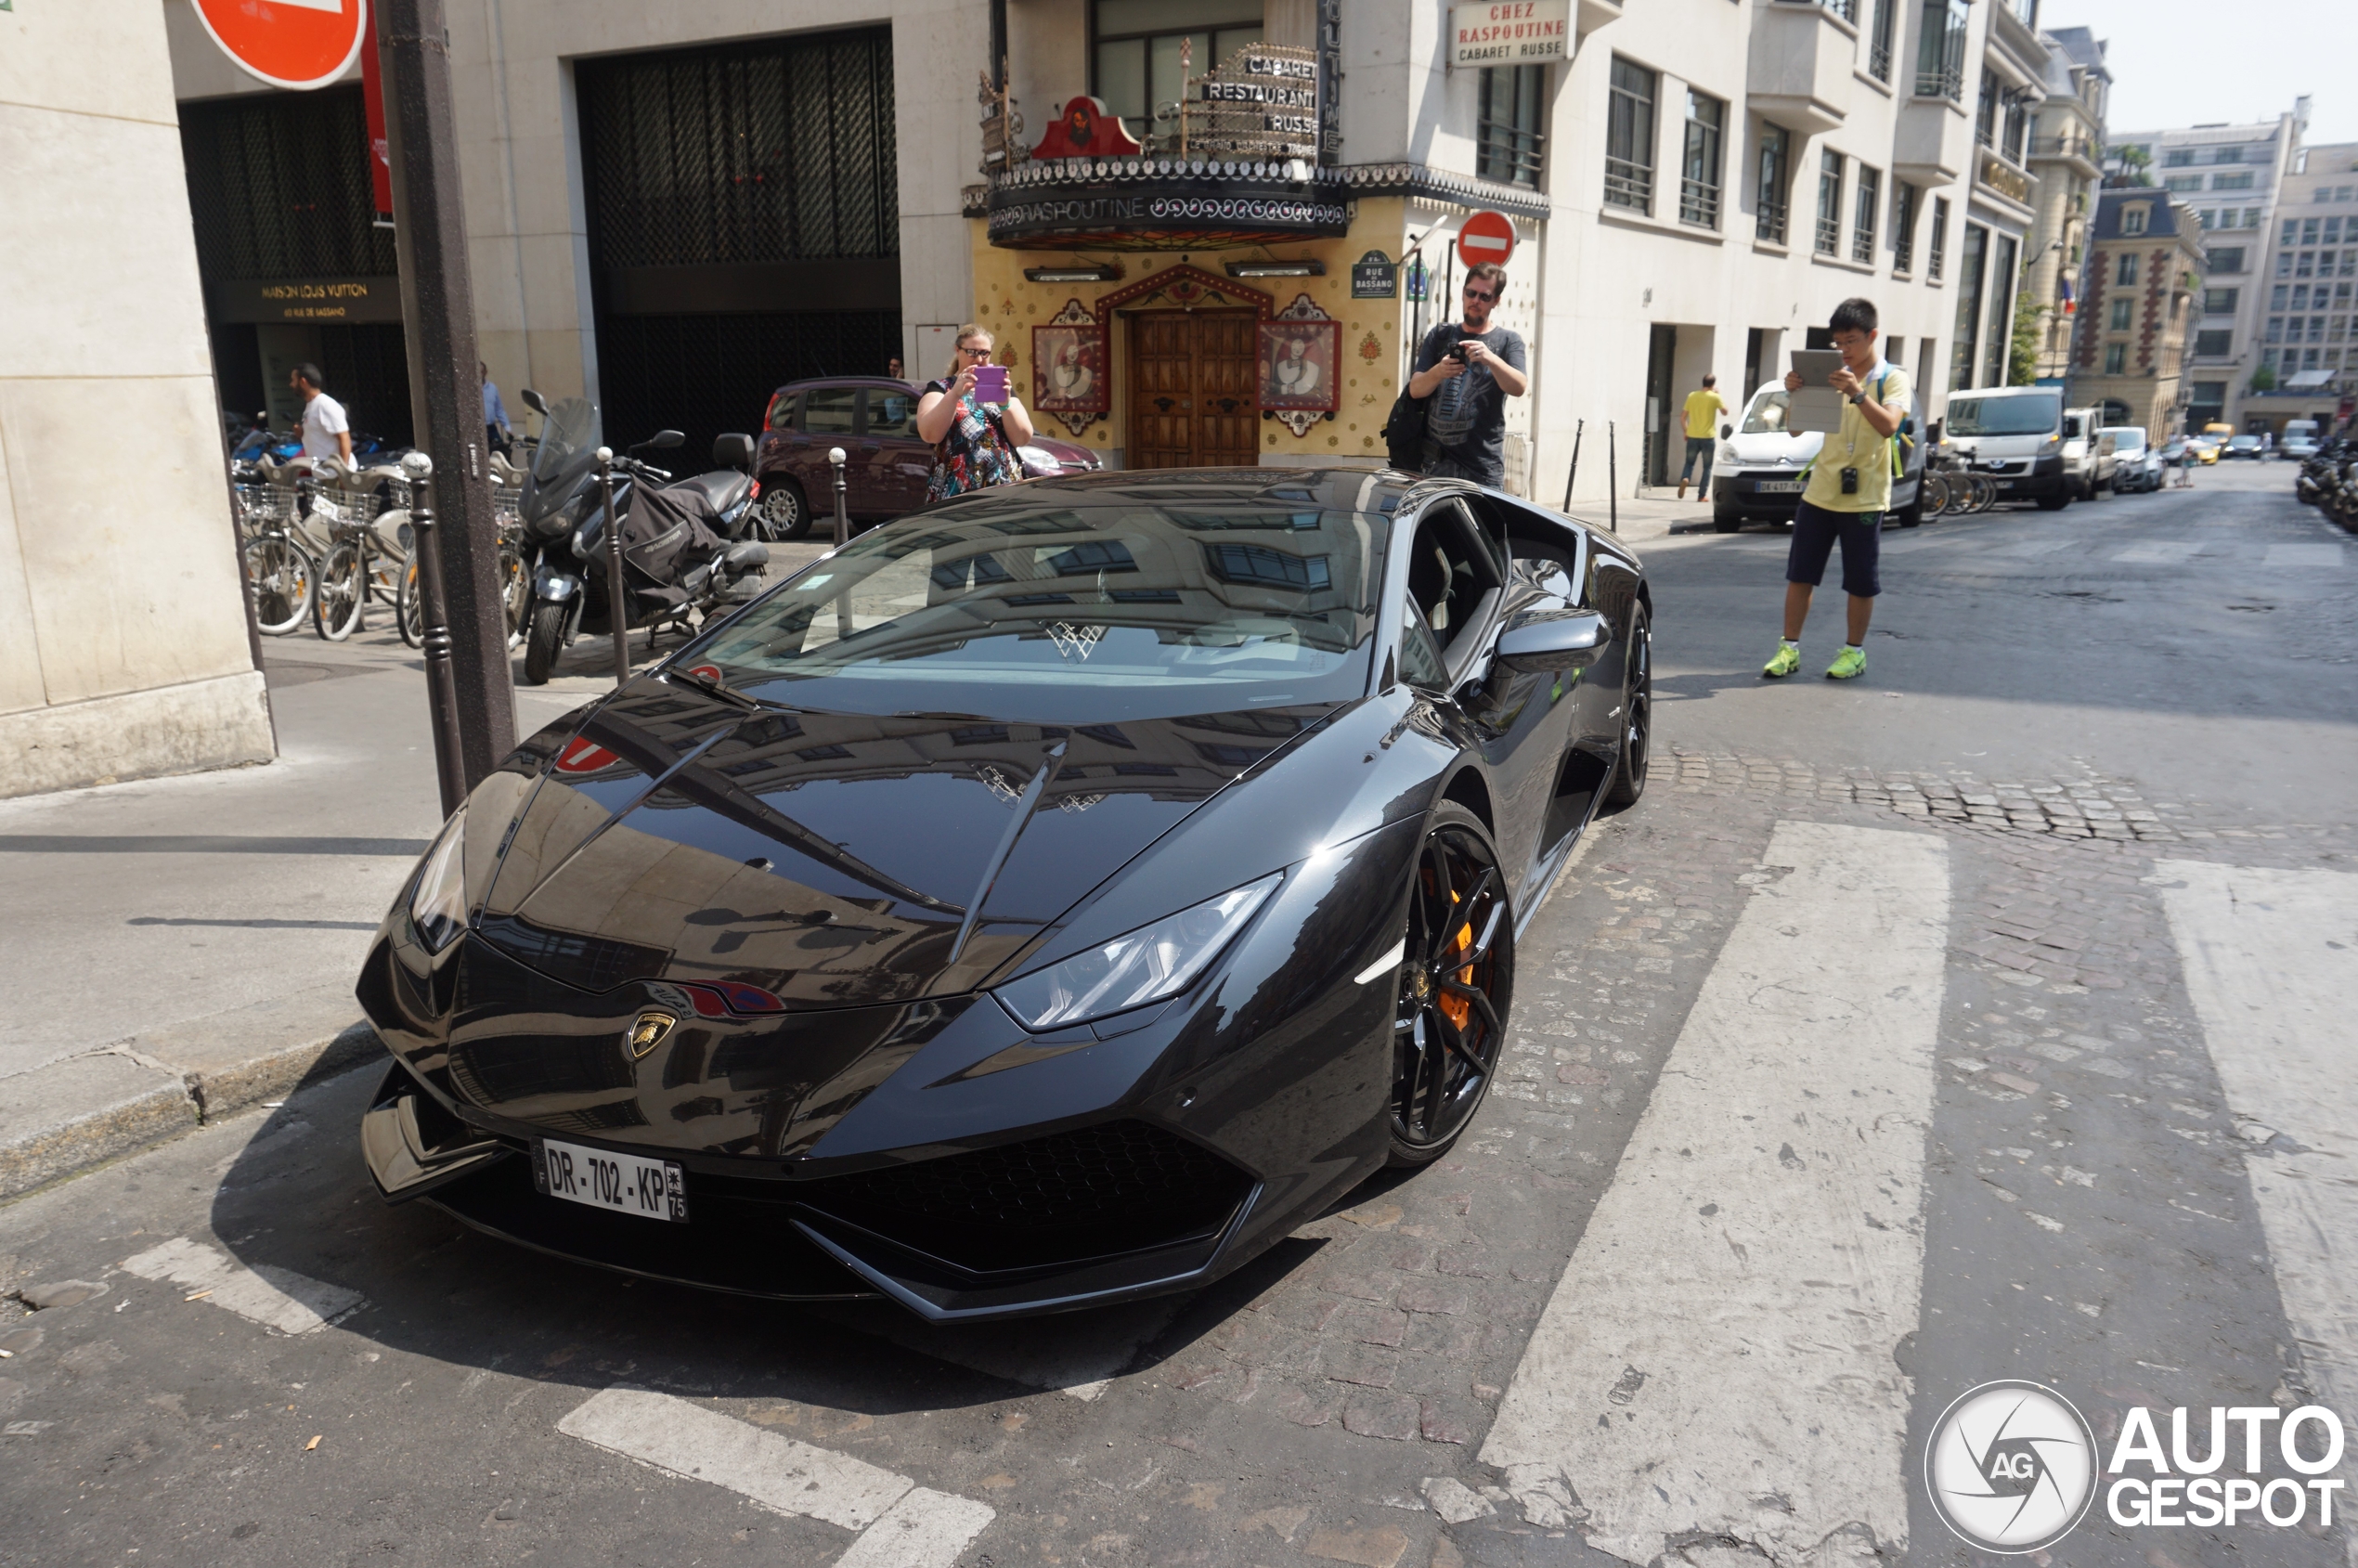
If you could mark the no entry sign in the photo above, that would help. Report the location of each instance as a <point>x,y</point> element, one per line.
<point>1486,236</point>
<point>288,43</point>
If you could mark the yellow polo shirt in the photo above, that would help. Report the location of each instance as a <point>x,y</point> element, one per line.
<point>1856,444</point>
<point>1703,408</point>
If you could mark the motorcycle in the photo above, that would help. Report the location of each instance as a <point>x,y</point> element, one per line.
<point>680,548</point>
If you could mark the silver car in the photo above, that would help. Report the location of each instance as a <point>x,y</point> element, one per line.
<point>2140,461</point>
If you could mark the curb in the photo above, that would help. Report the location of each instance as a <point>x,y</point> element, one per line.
<point>66,1117</point>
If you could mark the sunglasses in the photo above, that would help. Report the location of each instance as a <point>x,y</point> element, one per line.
<point>1474,293</point>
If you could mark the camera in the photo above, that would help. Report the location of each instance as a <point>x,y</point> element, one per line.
<point>1849,481</point>
<point>1457,352</point>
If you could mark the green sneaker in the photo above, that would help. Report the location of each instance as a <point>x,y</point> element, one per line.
<point>1848,663</point>
<point>1788,659</point>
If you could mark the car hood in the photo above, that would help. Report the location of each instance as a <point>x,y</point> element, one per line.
<point>1772,450</point>
<point>821,860</point>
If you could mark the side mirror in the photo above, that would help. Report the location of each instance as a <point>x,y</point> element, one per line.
<point>1553,639</point>
<point>1726,433</point>
<point>732,451</point>
<point>665,440</point>
<point>535,402</point>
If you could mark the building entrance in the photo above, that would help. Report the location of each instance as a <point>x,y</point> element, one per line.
<point>1191,389</point>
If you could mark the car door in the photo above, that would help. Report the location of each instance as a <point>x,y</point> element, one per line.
<point>830,419</point>
<point>894,461</point>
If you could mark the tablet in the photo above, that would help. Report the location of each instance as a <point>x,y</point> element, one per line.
<point>1817,406</point>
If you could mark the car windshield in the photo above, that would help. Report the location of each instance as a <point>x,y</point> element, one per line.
<point>2031,414</point>
<point>2126,438</point>
<point>2244,441</point>
<point>569,441</point>
<point>1049,607</point>
<point>1766,416</point>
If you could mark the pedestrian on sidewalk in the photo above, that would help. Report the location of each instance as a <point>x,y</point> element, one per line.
<point>495,433</point>
<point>1705,409</point>
<point>1469,368</point>
<point>325,433</point>
<point>1848,488</point>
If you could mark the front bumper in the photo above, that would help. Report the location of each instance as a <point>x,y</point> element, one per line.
<point>1757,492</point>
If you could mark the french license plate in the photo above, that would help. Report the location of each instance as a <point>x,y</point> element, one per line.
<point>1779,486</point>
<point>2006,484</point>
<point>621,1184</point>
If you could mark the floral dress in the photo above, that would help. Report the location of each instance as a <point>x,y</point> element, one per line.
<point>974,454</point>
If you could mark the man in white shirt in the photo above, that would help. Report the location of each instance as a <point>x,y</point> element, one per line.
<point>325,432</point>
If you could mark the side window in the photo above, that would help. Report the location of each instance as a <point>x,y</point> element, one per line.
<point>1421,661</point>
<point>891,412</point>
<point>828,410</point>
<point>781,415</point>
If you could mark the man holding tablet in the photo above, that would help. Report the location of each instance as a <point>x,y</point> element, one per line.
<point>1849,489</point>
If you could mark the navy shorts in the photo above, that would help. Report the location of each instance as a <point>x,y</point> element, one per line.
<point>1814,532</point>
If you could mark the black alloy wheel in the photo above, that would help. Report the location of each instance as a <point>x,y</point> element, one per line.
<point>1456,981</point>
<point>784,513</point>
<point>1636,716</point>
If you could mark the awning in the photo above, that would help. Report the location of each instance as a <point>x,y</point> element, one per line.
<point>2310,378</point>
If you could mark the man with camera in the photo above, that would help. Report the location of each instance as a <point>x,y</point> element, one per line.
<point>1849,489</point>
<point>1468,370</point>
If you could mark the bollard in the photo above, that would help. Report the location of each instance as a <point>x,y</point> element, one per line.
<point>618,596</point>
<point>1577,431</point>
<point>442,681</point>
<point>843,518</point>
<point>1613,480</point>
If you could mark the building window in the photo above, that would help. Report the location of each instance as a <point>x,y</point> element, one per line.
<point>2132,220</point>
<point>2227,155</point>
<point>2220,302</point>
<point>1939,239</point>
<point>1903,227</point>
<point>1776,173</point>
<point>1137,60</point>
<point>1878,41</point>
<point>2179,184</point>
<point>2239,180</point>
<point>2002,309</point>
<point>2275,328</point>
<point>1985,115</point>
<point>2228,258</point>
<point>2279,296</point>
<point>2121,310</point>
<point>2216,344</point>
<point>2116,358</point>
<point>1960,355</point>
<point>1829,240</point>
<point>1508,134</point>
<point>2178,157</point>
<point>1862,217</point>
<point>2125,270</point>
<point>2304,264</point>
<point>2308,231</point>
<point>1699,173</point>
<point>2284,263</point>
<point>1630,137</point>
<point>2015,135</point>
<point>1940,50</point>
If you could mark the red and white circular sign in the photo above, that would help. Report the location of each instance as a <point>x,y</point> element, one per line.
<point>296,43</point>
<point>1486,236</point>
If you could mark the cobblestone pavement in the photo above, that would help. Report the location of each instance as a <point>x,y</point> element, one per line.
<point>227,1351</point>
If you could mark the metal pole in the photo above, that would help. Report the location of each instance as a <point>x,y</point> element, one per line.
<point>442,686</point>
<point>438,329</point>
<point>1613,479</point>
<point>843,517</point>
<point>618,598</point>
<point>1577,431</point>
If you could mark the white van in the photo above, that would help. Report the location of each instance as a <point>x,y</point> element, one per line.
<point>2015,435</point>
<point>1757,474</point>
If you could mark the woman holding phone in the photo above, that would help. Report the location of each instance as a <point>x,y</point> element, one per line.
<point>974,421</point>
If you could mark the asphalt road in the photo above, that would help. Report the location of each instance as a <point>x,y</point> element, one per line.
<point>1983,1018</point>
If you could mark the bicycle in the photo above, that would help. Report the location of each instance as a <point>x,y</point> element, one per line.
<point>360,564</point>
<point>515,588</point>
<point>283,580</point>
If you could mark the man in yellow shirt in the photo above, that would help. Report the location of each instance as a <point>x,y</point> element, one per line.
<point>1848,490</point>
<point>1705,411</point>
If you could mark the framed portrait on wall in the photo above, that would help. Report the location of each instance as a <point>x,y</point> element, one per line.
<point>1297,365</point>
<point>1069,369</point>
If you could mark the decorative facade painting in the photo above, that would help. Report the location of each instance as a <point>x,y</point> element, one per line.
<point>1299,349</point>
<point>1069,360</point>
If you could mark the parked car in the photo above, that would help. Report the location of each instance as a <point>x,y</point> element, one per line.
<point>2015,435</point>
<point>2138,462</point>
<point>1757,474</point>
<point>2207,447</point>
<point>2088,453</point>
<point>2249,446</point>
<point>2299,448</point>
<point>873,418</point>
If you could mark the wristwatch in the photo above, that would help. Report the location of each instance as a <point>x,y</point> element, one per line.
<point>1856,398</point>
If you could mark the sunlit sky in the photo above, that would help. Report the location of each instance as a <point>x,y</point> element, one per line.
<point>2180,62</point>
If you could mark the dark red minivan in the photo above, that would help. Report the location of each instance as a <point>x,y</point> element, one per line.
<point>873,418</point>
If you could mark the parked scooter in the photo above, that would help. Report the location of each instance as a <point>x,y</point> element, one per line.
<point>675,543</point>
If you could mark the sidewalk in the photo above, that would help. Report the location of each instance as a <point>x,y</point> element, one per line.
<point>182,948</point>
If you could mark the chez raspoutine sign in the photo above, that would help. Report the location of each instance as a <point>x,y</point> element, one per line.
<point>1509,32</point>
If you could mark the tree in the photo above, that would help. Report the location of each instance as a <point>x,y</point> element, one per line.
<point>2022,354</point>
<point>2136,165</point>
<point>2263,380</point>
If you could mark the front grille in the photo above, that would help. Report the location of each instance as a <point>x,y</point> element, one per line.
<point>1097,1191</point>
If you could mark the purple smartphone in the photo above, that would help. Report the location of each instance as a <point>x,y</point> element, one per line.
<point>990,383</point>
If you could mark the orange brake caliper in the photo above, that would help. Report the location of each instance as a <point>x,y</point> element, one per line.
<point>1457,1008</point>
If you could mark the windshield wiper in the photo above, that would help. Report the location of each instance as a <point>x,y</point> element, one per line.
<point>703,683</point>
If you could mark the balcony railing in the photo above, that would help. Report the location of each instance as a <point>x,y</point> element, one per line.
<point>1946,83</point>
<point>1829,237</point>
<point>1628,184</point>
<point>2064,146</point>
<point>1771,222</point>
<point>1879,61</point>
<point>1847,9</point>
<point>1903,254</point>
<point>1699,203</point>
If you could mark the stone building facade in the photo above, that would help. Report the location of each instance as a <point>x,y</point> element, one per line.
<point>2143,294</point>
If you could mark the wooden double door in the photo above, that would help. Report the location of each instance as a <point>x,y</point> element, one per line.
<point>1192,401</point>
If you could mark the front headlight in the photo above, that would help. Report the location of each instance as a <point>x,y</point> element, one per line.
<point>1726,454</point>
<point>1144,965</point>
<point>438,901</point>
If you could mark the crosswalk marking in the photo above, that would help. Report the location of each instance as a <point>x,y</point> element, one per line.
<point>2158,552</point>
<point>1719,1355</point>
<point>2282,555</point>
<point>275,1297</point>
<point>2270,962</point>
<point>902,1524</point>
<point>2037,547</point>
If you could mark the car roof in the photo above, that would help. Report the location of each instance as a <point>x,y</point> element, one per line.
<point>809,381</point>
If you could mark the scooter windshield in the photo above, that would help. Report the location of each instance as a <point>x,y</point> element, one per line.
<point>568,450</point>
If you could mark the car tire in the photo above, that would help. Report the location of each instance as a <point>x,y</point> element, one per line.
<point>1425,1067</point>
<point>1725,520</point>
<point>1912,514</point>
<point>544,639</point>
<point>2053,503</point>
<point>1629,780</point>
<point>784,510</point>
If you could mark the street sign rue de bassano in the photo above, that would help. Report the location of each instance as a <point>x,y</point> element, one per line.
<point>299,44</point>
<point>1486,236</point>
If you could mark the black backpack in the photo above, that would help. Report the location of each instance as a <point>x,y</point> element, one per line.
<point>1404,432</point>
